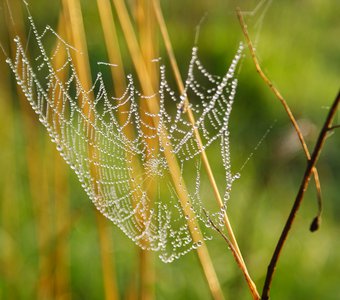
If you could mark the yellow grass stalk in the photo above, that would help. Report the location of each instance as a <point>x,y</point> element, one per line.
<point>78,37</point>
<point>62,220</point>
<point>117,73</point>
<point>180,187</point>
<point>113,50</point>
<point>10,255</point>
<point>106,251</point>
<point>118,77</point>
<point>147,36</point>
<point>148,45</point>
<point>61,200</point>
<point>191,117</point>
<point>173,62</point>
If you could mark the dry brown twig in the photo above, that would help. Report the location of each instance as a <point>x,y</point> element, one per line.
<point>312,159</point>
<point>235,254</point>
<point>284,103</point>
<point>334,127</point>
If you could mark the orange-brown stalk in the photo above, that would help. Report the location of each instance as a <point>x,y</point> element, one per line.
<point>232,238</point>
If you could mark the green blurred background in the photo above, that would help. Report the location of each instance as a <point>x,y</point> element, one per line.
<point>48,231</point>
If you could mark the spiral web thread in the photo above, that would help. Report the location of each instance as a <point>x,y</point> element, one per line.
<point>117,191</point>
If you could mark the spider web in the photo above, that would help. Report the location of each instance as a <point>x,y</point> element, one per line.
<point>84,126</point>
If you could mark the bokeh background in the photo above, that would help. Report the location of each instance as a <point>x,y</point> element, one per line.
<point>52,244</point>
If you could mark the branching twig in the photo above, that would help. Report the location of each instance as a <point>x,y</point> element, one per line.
<point>303,187</point>
<point>283,102</point>
<point>334,127</point>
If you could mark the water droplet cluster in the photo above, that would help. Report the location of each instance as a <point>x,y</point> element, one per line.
<point>85,128</point>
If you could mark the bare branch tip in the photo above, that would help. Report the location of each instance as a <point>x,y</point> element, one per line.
<point>315,225</point>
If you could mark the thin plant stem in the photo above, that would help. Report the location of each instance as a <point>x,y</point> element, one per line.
<point>334,127</point>
<point>146,29</point>
<point>109,275</point>
<point>113,50</point>
<point>235,254</point>
<point>284,103</point>
<point>174,169</point>
<point>146,269</point>
<point>10,214</point>
<point>75,20</point>
<point>205,160</point>
<point>61,197</point>
<point>191,118</point>
<point>299,197</point>
<point>117,74</point>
